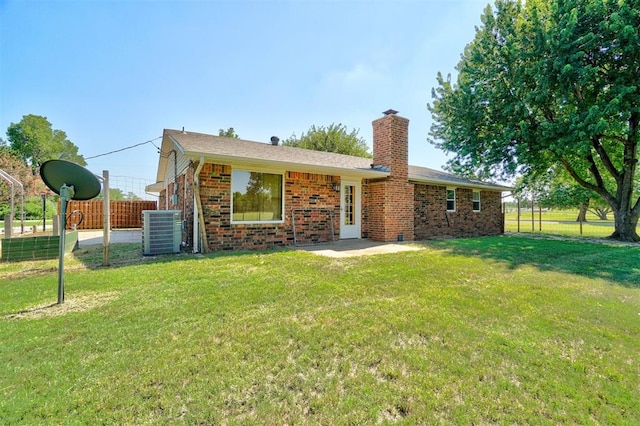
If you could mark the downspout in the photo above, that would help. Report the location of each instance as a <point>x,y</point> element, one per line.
<point>198,216</point>
<point>174,197</point>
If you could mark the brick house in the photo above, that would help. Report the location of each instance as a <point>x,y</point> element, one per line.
<point>236,194</point>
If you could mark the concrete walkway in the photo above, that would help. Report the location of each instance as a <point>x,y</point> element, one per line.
<point>94,237</point>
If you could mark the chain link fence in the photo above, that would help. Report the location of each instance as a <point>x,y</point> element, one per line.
<point>557,222</point>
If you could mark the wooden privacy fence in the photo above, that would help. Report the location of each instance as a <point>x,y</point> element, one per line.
<point>124,214</point>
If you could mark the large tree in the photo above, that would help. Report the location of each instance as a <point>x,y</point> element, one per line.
<point>334,138</point>
<point>547,84</point>
<point>35,141</point>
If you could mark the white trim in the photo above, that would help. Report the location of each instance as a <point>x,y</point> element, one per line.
<point>260,164</point>
<point>353,231</point>
<point>436,182</point>
<point>476,191</point>
<point>446,194</point>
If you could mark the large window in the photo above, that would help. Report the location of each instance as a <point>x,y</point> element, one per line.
<point>476,201</point>
<point>256,197</point>
<point>451,200</point>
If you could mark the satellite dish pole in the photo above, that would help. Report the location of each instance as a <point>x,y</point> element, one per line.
<point>71,182</point>
<point>66,194</point>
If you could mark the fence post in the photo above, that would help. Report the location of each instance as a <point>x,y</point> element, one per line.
<point>540,217</point>
<point>8,226</point>
<point>56,225</point>
<point>580,224</point>
<point>107,219</point>
<point>518,215</point>
<point>44,211</point>
<point>533,215</point>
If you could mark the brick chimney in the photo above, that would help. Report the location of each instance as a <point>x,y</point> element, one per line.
<point>391,202</point>
<point>391,143</point>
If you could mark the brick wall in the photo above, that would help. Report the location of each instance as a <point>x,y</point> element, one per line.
<point>375,209</point>
<point>313,193</point>
<point>433,220</point>
<point>365,212</point>
<point>391,199</point>
<point>162,200</point>
<point>215,197</point>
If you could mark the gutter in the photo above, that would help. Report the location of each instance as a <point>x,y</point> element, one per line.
<point>469,185</point>
<point>269,164</point>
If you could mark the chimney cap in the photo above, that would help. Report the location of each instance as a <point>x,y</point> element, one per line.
<point>390,112</point>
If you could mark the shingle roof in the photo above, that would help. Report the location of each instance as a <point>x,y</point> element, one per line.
<point>427,175</point>
<point>199,144</point>
<point>240,151</point>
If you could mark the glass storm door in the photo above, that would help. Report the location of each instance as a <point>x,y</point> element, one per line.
<point>350,209</point>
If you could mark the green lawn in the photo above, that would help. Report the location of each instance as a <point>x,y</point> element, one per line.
<point>559,222</point>
<point>569,215</point>
<point>567,229</point>
<point>506,330</point>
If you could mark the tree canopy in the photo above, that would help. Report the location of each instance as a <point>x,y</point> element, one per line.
<point>548,84</point>
<point>35,141</point>
<point>116,194</point>
<point>334,138</point>
<point>229,133</point>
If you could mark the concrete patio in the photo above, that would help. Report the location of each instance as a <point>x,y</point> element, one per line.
<point>357,247</point>
<point>336,249</point>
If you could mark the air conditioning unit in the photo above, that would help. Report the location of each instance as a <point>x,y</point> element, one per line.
<point>161,231</point>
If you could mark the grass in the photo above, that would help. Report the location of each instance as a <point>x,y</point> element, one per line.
<point>559,222</point>
<point>589,230</point>
<point>487,330</point>
<point>28,222</point>
<point>568,215</point>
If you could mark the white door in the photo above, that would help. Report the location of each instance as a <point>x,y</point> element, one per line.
<point>350,209</point>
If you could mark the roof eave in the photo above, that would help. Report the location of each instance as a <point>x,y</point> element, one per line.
<point>155,187</point>
<point>286,165</point>
<point>471,185</point>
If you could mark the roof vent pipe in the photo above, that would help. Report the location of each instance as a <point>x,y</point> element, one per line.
<point>275,140</point>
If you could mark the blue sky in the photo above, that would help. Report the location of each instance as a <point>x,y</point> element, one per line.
<point>112,74</point>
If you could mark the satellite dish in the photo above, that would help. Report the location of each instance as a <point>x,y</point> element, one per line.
<point>71,182</point>
<point>56,173</point>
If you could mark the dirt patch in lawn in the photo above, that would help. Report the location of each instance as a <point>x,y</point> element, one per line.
<point>78,303</point>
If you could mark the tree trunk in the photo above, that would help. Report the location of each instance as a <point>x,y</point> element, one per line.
<point>582,213</point>
<point>601,212</point>
<point>625,226</point>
